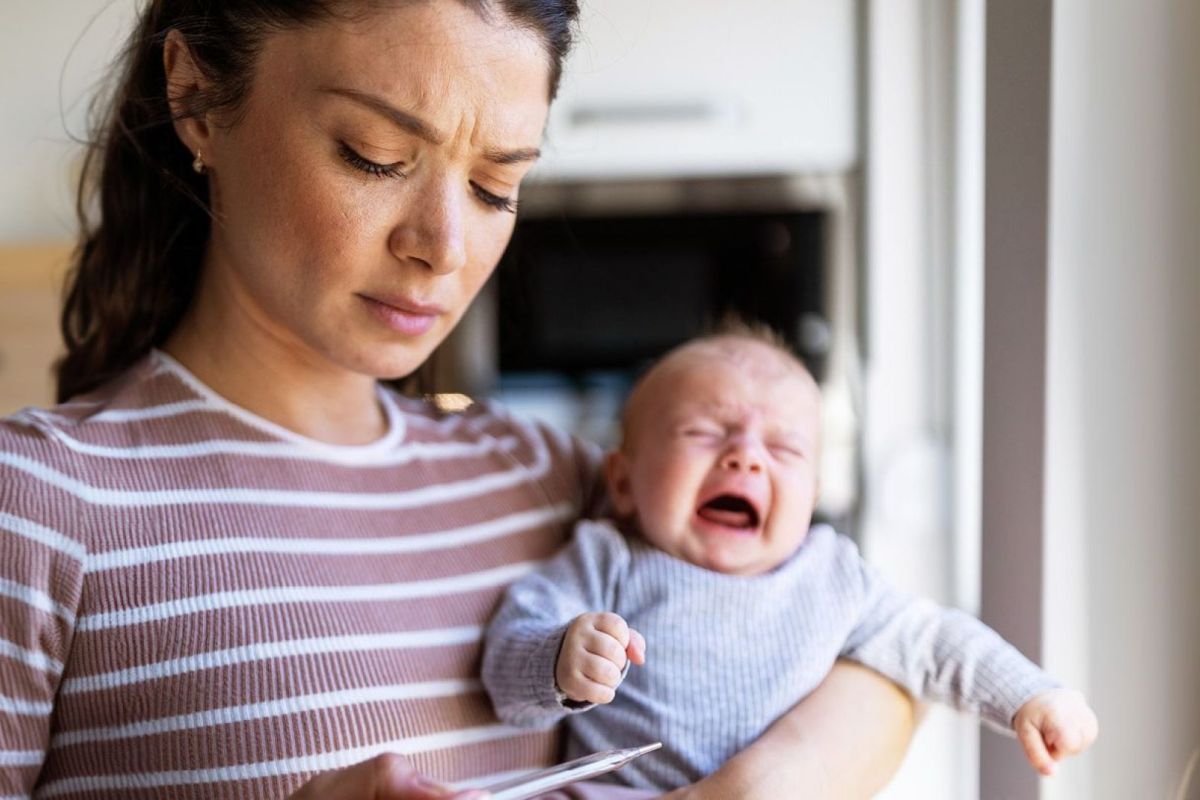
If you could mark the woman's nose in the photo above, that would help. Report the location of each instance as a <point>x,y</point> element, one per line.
<point>742,456</point>
<point>432,230</point>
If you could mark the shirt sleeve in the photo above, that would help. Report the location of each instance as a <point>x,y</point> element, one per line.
<point>525,636</point>
<point>40,577</point>
<point>942,654</point>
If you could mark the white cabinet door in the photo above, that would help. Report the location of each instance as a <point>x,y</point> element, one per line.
<point>669,88</point>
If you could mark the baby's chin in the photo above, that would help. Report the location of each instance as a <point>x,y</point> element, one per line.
<point>744,558</point>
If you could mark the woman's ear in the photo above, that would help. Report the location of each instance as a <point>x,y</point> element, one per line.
<point>185,82</point>
<point>620,490</point>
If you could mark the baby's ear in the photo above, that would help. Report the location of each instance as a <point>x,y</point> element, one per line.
<point>620,490</point>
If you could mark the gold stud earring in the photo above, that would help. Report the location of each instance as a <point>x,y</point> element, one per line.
<point>198,164</point>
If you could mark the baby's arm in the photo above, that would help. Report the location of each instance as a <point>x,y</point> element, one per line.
<point>947,655</point>
<point>525,638</point>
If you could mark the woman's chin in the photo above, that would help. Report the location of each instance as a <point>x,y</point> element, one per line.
<point>384,361</point>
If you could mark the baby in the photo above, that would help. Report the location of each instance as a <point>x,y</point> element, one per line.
<point>712,558</point>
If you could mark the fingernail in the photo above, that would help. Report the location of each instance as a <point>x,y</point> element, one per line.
<point>430,785</point>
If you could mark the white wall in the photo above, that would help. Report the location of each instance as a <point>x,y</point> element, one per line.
<point>1123,458</point>
<point>51,57</point>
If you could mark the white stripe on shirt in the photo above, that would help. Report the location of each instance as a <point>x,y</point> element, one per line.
<point>122,415</point>
<point>282,595</point>
<point>287,450</point>
<point>411,543</point>
<point>25,708</point>
<point>438,493</point>
<point>21,758</point>
<point>270,651</point>
<point>322,762</point>
<point>272,708</point>
<point>41,534</point>
<point>35,598</point>
<point>33,658</point>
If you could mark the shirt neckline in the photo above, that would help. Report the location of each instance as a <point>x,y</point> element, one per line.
<point>392,437</point>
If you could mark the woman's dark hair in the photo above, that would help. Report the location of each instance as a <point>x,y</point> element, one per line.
<point>143,211</point>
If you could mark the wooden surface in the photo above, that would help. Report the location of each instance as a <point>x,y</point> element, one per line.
<point>31,277</point>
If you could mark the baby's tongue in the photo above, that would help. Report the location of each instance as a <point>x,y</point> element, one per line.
<point>728,517</point>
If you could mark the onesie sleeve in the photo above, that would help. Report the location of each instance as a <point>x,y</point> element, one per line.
<point>939,653</point>
<point>523,640</point>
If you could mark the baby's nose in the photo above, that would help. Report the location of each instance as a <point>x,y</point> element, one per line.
<point>742,457</point>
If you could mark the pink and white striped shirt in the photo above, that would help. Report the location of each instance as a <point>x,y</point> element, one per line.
<point>197,603</point>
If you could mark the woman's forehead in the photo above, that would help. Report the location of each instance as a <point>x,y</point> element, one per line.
<point>428,56</point>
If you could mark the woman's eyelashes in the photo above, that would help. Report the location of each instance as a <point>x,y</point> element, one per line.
<point>374,169</point>
<point>370,167</point>
<point>498,202</point>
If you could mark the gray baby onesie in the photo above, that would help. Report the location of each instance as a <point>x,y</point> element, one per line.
<point>727,655</point>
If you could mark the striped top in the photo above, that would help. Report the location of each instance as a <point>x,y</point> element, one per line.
<point>197,603</point>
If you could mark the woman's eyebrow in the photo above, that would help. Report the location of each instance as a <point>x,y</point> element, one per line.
<point>517,156</point>
<point>404,119</point>
<point>422,129</point>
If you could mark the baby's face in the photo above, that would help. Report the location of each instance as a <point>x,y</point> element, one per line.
<point>720,461</point>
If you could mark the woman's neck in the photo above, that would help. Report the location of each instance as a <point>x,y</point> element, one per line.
<point>276,377</point>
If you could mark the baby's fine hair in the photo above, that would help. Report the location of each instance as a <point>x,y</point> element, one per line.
<point>732,328</point>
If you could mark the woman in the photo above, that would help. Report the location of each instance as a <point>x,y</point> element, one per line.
<point>233,563</point>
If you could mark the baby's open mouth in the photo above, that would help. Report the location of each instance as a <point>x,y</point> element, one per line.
<point>729,510</point>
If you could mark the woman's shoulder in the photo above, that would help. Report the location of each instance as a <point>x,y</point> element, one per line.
<point>458,418</point>
<point>562,464</point>
<point>53,469</point>
<point>111,414</point>
<point>65,463</point>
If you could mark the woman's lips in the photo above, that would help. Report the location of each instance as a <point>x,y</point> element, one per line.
<point>403,316</point>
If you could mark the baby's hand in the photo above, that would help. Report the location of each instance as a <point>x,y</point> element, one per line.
<point>1054,725</point>
<point>593,655</point>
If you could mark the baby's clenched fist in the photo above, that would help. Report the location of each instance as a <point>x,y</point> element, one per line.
<point>1054,725</point>
<point>593,655</point>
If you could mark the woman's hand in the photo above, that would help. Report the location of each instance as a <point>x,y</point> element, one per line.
<point>385,777</point>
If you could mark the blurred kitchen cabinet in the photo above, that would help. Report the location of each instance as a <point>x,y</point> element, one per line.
<point>694,88</point>
<point>31,279</point>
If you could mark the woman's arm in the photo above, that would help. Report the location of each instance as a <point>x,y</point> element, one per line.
<point>846,739</point>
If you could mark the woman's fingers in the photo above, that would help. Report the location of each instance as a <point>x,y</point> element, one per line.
<point>385,777</point>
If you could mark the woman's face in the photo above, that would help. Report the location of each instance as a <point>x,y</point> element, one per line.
<point>367,187</point>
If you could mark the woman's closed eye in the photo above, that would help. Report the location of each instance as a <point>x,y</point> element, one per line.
<point>493,200</point>
<point>373,168</point>
<point>395,170</point>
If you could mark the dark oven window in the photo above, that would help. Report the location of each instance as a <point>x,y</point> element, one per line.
<point>585,294</point>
